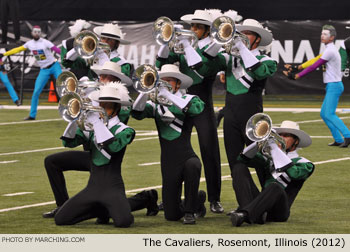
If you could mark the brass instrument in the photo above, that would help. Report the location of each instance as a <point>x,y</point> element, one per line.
<point>146,80</point>
<point>86,44</point>
<point>223,30</point>
<point>65,83</point>
<point>229,47</point>
<point>259,129</point>
<point>73,107</point>
<point>165,32</point>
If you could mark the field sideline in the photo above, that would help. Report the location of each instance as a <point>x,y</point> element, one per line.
<point>321,207</point>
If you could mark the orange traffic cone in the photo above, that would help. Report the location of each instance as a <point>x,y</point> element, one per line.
<point>52,93</point>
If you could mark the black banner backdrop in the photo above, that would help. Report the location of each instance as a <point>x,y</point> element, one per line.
<point>295,42</point>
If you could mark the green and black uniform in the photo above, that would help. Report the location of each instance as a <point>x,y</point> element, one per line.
<point>344,51</point>
<point>179,163</point>
<point>243,97</point>
<point>126,67</point>
<point>78,66</point>
<point>205,123</point>
<point>279,188</point>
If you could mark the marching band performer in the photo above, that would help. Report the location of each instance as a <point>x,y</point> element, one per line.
<point>104,194</point>
<point>280,187</point>
<point>246,76</point>
<point>113,36</point>
<point>41,49</point>
<point>57,163</point>
<point>69,57</point>
<point>205,122</point>
<point>332,77</point>
<point>179,163</point>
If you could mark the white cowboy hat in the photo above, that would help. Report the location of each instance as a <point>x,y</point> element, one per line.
<point>293,128</point>
<point>170,70</point>
<point>112,31</point>
<point>79,25</point>
<point>255,26</point>
<point>112,92</point>
<point>199,17</point>
<point>112,68</point>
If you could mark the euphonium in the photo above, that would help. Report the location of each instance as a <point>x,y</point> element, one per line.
<point>146,80</point>
<point>229,47</point>
<point>73,107</point>
<point>86,44</point>
<point>222,30</point>
<point>65,83</point>
<point>259,129</point>
<point>165,32</point>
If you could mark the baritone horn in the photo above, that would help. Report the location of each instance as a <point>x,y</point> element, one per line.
<point>86,44</point>
<point>73,107</point>
<point>259,129</point>
<point>65,83</point>
<point>165,32</point>
<point>146,80</point>
<point>222,30</point>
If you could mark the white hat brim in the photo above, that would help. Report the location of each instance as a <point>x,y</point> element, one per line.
<point>123,78</point>
<point>98,30</point>
<point>95,97</point>
<point>186,81</point>
<point>266,36</point>
<point>304,139</point>
<point>189,19</point>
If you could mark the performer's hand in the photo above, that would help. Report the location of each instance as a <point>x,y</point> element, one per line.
<point>291,75</point>
<point>93,117</point>
<point>292,68</point>
<point>163,92</point>
<point>239,44</point>
<point>184,42</point>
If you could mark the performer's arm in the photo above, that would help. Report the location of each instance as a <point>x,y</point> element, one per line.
<point>15,50</point>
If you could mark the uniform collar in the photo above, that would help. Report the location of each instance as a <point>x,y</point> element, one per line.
<point>203,42</point>
<point>113,121</point>
<point>293,154</point>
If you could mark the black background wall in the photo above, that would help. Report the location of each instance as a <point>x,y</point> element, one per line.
<point>143,10</point>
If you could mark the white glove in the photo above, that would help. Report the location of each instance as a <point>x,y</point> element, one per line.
<point>251,150</point>
<point>191,55</point>
<point>163,51</point>
<point>72,55</point>
<point>176,100</point>
<point>93,117</point>
<point>184,42</point>
<point>71,130</point>
<point>102,133</point>
<point>247,56</point>
<point>279,158</point>
<point>140,102</point>
<point>213,49</point>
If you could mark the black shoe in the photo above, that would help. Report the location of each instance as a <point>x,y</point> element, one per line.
<point>189,218</point>
<point>346,143</point>
<point>102,220</point>
<point>201,211</point>
<point>51,214</point>
<point>161,206</point>
<point>262,219</point>
<point>216,207</point>
<point>152,206</point>
<point>29,118</point>
<point>231,212</point>
<point>18,103</point>
<point>334,144</point>
<point>238,218</point>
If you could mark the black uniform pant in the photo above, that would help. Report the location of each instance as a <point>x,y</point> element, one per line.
<point>205,124</point>
<point>9,8</point>
<point>238,110</point>
<point>273,199</point>
<point>57,163</point>
<point>173,175</point>
<point>94,202</point>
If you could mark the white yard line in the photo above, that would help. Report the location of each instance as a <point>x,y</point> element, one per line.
<point>30,151</point>
<point>16,194</point>
<point>33,121</point>
<point>147,164</point>
<point>227,177</point>
<point>8,162</point>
